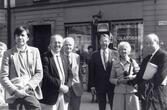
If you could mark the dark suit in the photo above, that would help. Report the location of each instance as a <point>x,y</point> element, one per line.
<point>99,77</point>
<point>152,93</point>
<point>51,81</point>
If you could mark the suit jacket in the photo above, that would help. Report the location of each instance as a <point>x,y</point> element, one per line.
<point>159,59</point>
<point>153,88</point>
<point>51,81</point>
<point>10,70</point>
<point>99,77</point>
<point>75,70</point>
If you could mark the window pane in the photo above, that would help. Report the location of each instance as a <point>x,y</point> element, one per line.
<point>132,33</point>
<point>81,34</point>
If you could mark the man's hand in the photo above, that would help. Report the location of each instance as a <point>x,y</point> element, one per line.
<point>21,93</point>
<point>64,88</point>
<point>130,77</point>
<point>122,81</point>
<point>93,90</point>
<point>27,88</point>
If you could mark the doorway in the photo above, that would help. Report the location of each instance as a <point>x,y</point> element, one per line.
<point>42,35</point>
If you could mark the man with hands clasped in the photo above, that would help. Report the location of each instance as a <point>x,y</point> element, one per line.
<point>55,85</point>
<point>21,73</point>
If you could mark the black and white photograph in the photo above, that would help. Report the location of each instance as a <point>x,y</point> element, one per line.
<point>83,54</point>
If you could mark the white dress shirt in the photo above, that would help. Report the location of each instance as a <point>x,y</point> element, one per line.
<point>102,57</point>
<point>59,66</point>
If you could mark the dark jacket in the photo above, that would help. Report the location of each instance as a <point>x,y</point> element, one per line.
<point>51,81</point>
<point>99,77</point>
<point>152,91</point>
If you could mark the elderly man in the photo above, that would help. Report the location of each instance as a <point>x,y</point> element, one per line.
<point>55,85</point>
<point>152,77</point>
<point>73,60</point>
<point>100,68</point>
<point>21,73</point>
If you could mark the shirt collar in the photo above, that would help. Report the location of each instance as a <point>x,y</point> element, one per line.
<point>127,59</point>
<point>106,50</point>
<point>155,51</point>
<point>67,54</point>
<point>22,50</point>
<point>55,54</point>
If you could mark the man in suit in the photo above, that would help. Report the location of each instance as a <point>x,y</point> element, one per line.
<point>73,59</point>
<point>152,89</point>
<point>100,68</point>
<point>21,73</point>
<point>55,81</point>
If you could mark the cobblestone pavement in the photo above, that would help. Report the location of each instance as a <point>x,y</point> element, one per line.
<point>86,103</point>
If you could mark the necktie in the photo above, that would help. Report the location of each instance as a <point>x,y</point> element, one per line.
<point>105,58</point>
<point>68,60</point>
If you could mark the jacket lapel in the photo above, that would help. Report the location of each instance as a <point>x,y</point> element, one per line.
<point>30,59</point>
<point>64,65</point>
<point>100,59</point>
<point>109,60</point>
<point>154,59</point>
<point>15,61</point>
<point>53,64</point>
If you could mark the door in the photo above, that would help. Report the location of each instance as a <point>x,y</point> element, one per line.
<point>41,35</point>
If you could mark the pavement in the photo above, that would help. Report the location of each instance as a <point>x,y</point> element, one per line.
<point>86,103</point>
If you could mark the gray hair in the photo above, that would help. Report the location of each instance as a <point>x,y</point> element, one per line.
<point>69,39</point>
<point>124,44</point>
<point>104,36</point>
<point>153,37</point>
<point>56,35</point>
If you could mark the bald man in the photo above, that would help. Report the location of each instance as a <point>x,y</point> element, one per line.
<point>54,85</point>
<point>152,76</point>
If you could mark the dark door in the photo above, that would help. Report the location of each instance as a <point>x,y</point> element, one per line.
<point>42,35</point>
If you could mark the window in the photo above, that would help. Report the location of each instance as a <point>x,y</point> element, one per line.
<point>81,34</point>
<point>132,32</point>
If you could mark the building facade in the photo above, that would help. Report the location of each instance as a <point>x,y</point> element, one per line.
<point>85,20</point>
<point>3,23</point>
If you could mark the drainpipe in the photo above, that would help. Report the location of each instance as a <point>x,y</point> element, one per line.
<point>155,16</point>
<point>9,23</point>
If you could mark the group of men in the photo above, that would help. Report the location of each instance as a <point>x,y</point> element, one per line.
<point>52,81</point>
<point>48,82</point>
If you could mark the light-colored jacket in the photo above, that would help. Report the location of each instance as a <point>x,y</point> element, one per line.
<point>10,70</point>
<point>75,68</point>
<point>118,72</point>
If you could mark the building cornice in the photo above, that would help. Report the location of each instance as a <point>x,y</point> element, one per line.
<point>68,4</point>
